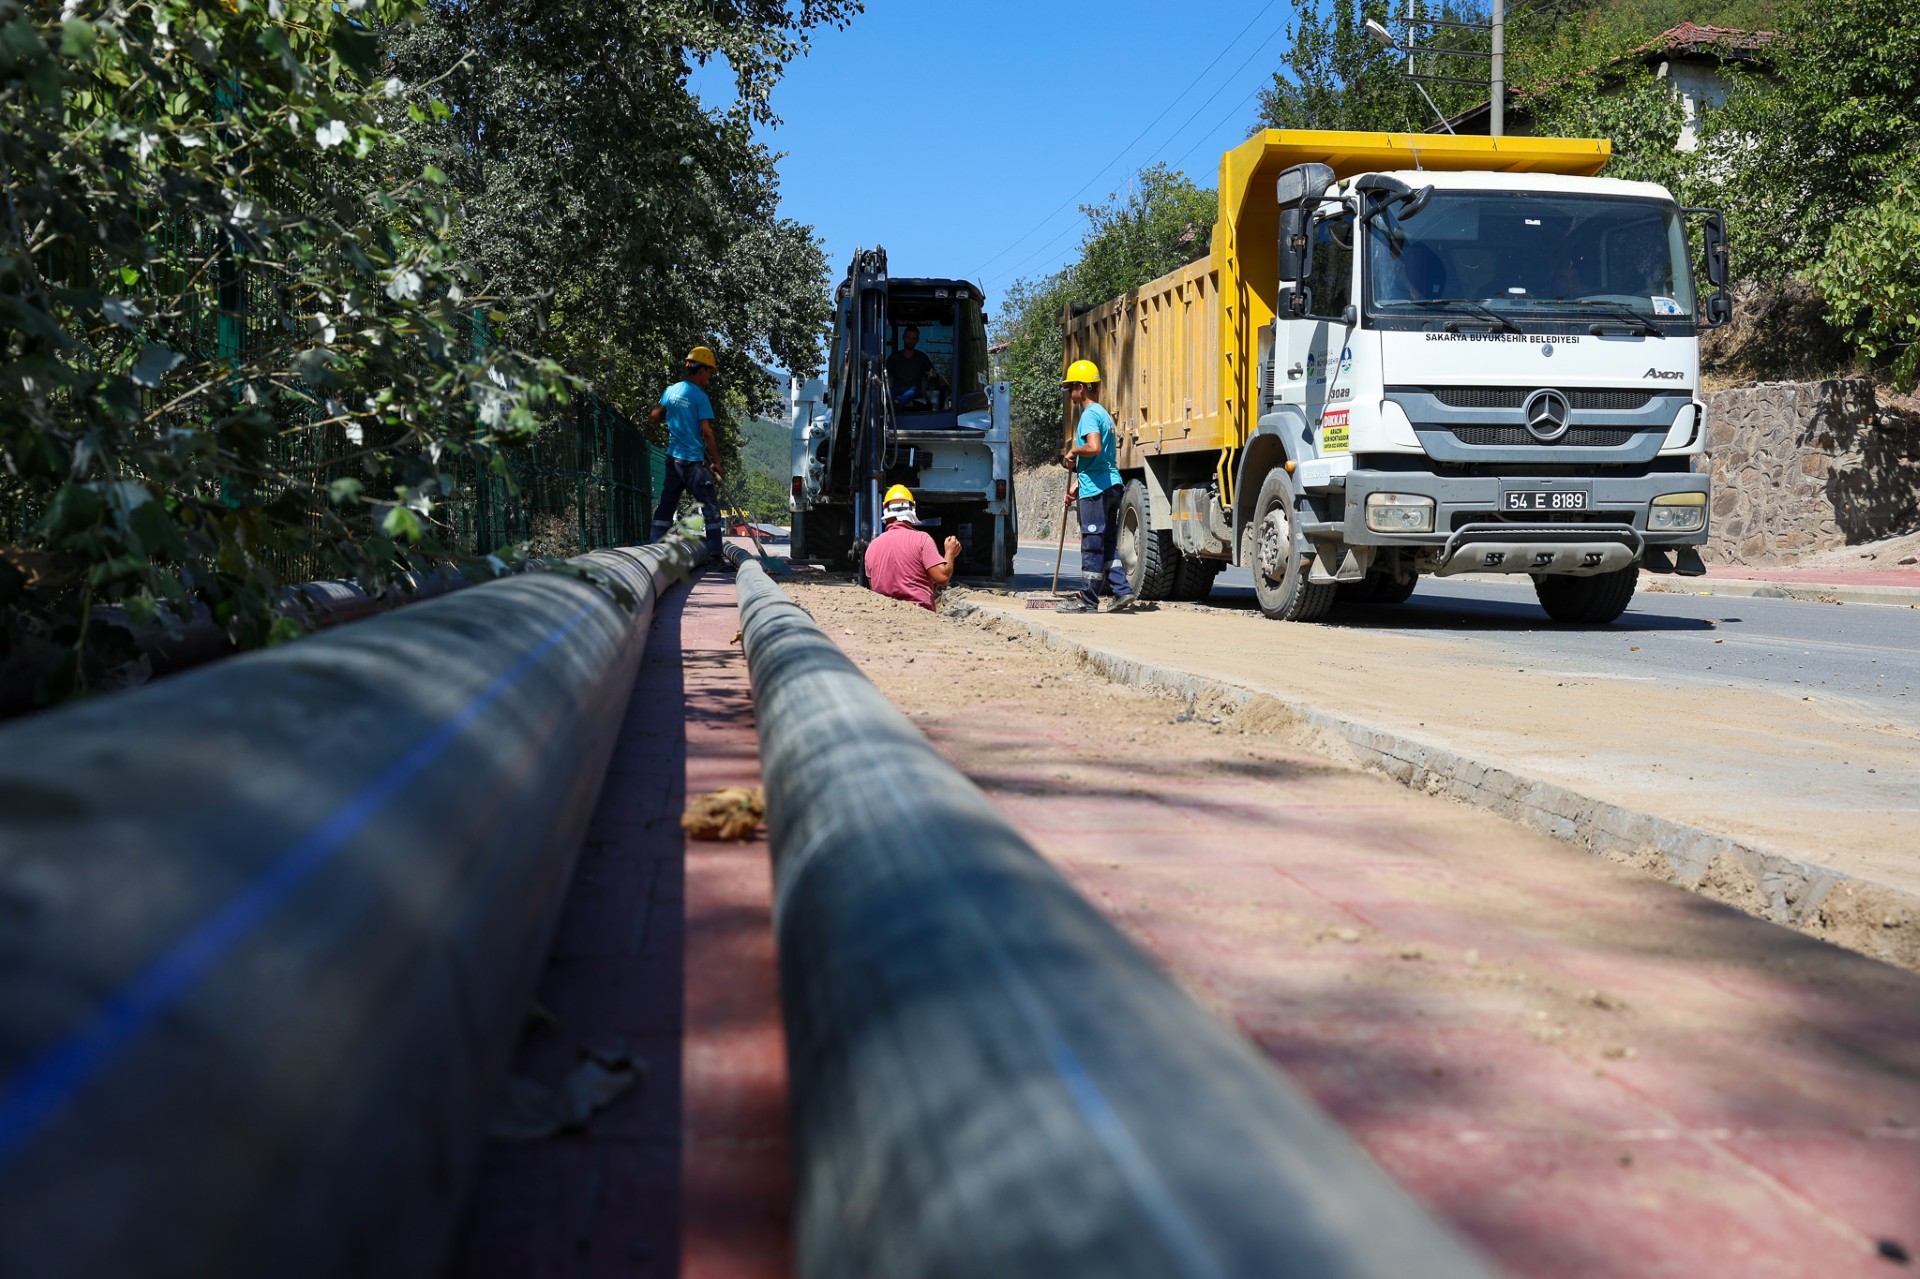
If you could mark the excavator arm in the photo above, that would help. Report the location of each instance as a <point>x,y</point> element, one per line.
<point>868,400</point>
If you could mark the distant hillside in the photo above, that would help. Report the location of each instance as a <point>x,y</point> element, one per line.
<point>765,446</point>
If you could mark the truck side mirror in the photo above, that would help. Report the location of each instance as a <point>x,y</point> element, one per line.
<point>1296,190</point>
<point>1293,245</point>
<point>1302,184</point>
<point>1717,308</point>
<point>1717,259</point>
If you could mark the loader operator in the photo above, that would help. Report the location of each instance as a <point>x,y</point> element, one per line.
<point>693,459</point>
<point>1093,455</point>
<point>902,562</point>
<point>910,373</point>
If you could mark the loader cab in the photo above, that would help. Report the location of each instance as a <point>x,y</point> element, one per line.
<point>936,342</point>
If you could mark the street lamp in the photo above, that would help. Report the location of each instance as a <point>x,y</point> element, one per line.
<point>1497,78</point>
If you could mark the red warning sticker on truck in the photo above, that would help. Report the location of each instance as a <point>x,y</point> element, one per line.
<point>1333,431</point>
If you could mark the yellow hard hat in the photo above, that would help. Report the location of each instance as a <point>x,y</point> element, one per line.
<point>1082,371</point>
<point>702,355</point>
<point>898,506</point>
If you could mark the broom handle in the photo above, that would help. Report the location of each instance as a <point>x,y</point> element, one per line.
<point>1061,550</point>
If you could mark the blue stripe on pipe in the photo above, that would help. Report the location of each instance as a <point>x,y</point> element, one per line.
<point>38,1093</point>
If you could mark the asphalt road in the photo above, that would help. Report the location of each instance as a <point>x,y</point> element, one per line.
<point>1865,654</point>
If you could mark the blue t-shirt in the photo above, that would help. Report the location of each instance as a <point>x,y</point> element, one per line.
<point>1099,472</point>
<point>686,405</point>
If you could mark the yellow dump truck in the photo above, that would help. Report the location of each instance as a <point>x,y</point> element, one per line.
<point>1409,354</point>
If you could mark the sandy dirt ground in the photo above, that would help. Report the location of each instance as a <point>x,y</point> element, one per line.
<point>1827,780</point>
<point>1585,1071</point>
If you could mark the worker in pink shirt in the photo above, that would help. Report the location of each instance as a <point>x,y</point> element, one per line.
<point>902,562</point>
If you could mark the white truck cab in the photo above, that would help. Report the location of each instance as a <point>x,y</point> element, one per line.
<point>1487,372</point>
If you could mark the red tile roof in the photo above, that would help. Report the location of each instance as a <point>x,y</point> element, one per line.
<point>1689,36</point>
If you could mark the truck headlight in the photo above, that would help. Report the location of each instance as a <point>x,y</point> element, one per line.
<point>1399,513</point>
<point>1678,513</point>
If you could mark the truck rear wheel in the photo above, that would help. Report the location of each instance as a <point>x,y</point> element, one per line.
<point>1279,577</point>
<point>1591,601</point>
<point>1193,579</point>
<point>1147,553</point>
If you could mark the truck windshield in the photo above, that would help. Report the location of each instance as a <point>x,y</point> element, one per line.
<point>1538,253</point>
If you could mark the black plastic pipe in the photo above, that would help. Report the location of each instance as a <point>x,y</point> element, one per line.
<point>268,929</point>
<point>987,1077</point>
<point>175,646</point>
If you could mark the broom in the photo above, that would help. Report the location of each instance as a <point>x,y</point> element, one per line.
<point>1053,599</point>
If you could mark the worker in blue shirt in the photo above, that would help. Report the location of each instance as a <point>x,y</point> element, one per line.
<point>1094,455</point>
<point>693,459</point>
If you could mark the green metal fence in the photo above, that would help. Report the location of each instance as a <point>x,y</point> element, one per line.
<point>587,480</point>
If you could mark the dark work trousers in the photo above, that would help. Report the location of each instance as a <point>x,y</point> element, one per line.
<point>689,477</point>
<point>1100,546</point>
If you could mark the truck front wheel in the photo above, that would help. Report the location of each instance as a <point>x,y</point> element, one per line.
<point>1147,553</point>
<point>1280,582</point>
<point>1590,601</point>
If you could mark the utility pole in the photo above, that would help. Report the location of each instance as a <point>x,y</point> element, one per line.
<point>1497,58</point>
<point>1498,100</point>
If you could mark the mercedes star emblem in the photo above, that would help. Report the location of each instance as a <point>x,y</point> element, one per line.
<point>1547,413</point>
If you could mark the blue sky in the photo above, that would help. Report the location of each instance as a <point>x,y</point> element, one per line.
<point>954,134</point>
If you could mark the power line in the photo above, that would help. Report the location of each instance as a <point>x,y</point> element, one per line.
<point>1238,107</point>
<point>1178,130</point>
<point>1191,86</point>
<point>1059,241</point>
<point>1245,63</point>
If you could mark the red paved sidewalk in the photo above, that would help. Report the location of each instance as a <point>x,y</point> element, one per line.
<point>665,951</point>
<point>1587,1073</point>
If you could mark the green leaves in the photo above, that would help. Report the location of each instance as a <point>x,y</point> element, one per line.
<point>1164,222</point>
<point>1869,275</point>
<point>203,387</point>
<point>155,363</point>
<point>1816,165</point>
<point>76,37</point>
<point>280,306</point>
<point>642,220</point>
<point>75,510</point>
<point>402,525</point>
<point>1334,76</point>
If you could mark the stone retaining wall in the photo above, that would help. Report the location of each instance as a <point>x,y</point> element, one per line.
<point>1038,494</point>
<point>1800,467</point>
